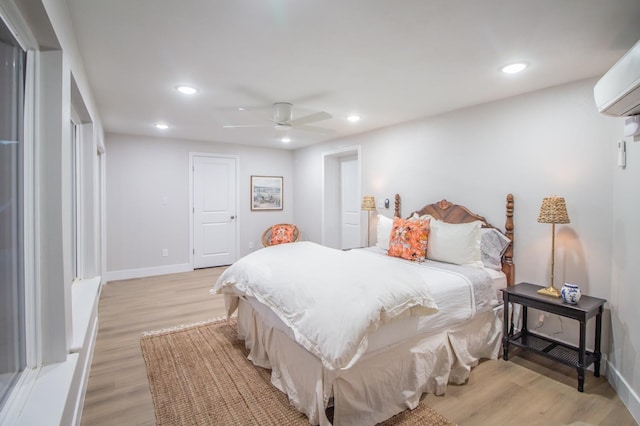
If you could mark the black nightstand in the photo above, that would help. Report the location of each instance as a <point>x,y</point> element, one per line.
<point>527,295</point>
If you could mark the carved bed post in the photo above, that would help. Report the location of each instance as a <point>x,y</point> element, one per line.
<point>508,267</point>
<point>396,212</point>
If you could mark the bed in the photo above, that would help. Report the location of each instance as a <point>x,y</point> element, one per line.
<point>429,328</point>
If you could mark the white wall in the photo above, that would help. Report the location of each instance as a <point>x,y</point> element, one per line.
<point>548,142</point>
<point>142,171</point>
<point>624,296</point>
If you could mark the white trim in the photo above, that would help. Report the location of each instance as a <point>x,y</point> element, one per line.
<point>30,210</point>
<point>12,17</point>
<point>47,397</point>
<point>97,211</point>
<point>103,215</point>
<point>19,397</point>
<point>85,295</point>
<point>75,410</point>
<point>345,150</point>
<point>238,218</point>
<point>625,392</point>
<point>100,146</point>
<point>127,274</point>
<point>77,156</point>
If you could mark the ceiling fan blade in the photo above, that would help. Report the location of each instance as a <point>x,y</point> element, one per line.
<point>315,129</point>
<point>316,116</point>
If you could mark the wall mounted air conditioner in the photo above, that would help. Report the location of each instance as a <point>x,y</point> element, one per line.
<point>617,93</point>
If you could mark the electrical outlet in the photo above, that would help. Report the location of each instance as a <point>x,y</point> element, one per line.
<point>250,244</point>
<point>165,252</point>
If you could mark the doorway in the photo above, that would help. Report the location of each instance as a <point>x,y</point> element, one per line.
<point>341,199</point>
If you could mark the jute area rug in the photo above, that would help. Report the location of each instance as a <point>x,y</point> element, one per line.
<point>200,375</point>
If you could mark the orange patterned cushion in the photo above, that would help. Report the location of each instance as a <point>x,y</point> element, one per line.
<point>408,239</point>
<point>282,234</point>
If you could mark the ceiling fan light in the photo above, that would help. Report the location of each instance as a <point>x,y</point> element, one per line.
<point>282,112</point>
<point>286,140</point>
<point>162,126</point>
<point>353,118</point>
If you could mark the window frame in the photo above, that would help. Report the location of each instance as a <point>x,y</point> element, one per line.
<point>32,332</point>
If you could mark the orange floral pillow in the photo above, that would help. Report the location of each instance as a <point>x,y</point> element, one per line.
<point>408,239</point>
<point>282,234</point>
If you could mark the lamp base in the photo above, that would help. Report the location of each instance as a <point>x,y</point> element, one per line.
<point>550,291</point>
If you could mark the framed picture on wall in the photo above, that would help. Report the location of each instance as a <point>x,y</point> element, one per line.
<point>266,192</point>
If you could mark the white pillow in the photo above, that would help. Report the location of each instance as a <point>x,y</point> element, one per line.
<point>493,245</point>
<point>383,232</point>
<point>457,243</point>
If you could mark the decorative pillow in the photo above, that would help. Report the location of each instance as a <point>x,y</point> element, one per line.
<point>457,243</point>
<point>383,231</point>
<point>408,239</point>
<point>493,244</point>
<point>282,234</point>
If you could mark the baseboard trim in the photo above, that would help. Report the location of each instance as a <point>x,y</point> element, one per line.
<point>626,394</point>
<point>129,274</point>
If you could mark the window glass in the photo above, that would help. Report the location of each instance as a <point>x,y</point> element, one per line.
<point>12,340</point>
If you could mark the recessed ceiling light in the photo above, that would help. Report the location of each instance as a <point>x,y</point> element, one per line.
<point>513,68</point>
<point>187,90</point>
<point>241,109</point>
<point>286,140</point>
<point>162,126</point>
<point>353,118</point>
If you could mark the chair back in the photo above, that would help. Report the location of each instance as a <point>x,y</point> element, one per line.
<point>280,233</point>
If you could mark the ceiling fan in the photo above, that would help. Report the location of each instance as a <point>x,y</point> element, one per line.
<point>283,120</point>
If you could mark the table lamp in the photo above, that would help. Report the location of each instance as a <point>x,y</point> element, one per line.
<point>369,205</point>
<point>553,210</point>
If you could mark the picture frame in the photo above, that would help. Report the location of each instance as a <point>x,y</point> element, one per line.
<point>266,193</point>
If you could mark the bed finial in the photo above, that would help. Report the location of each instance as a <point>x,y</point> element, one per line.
<point>508,267</point>
<point>396,212</point>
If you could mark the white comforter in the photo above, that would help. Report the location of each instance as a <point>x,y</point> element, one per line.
<point>330,298</point>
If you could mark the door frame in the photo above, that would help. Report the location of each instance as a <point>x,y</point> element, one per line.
<point>236,158</point>
<point>336,154</point>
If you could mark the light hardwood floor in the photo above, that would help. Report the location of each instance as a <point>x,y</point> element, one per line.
<point>526,390</point>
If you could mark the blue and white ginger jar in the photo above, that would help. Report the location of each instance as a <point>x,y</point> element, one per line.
<point>570,293</point>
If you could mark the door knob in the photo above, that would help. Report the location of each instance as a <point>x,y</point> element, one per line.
<point>233,217</point>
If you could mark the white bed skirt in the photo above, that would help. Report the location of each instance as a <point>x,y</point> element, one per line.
<point>381,384</point>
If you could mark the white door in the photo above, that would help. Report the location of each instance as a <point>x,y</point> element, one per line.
<point>214,211</point>
<point>350,202</point>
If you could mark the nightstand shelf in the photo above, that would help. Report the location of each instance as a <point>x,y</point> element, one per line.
<point>558,351</point>
<point>527,296</point>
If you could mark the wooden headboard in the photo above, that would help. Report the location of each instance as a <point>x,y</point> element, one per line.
<point>454,213</point>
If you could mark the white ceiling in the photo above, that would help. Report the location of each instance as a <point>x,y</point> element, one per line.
<point>388,61</point>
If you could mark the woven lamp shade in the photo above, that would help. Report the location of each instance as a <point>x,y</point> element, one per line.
<point>553,210</point>
<point>368,203</point>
